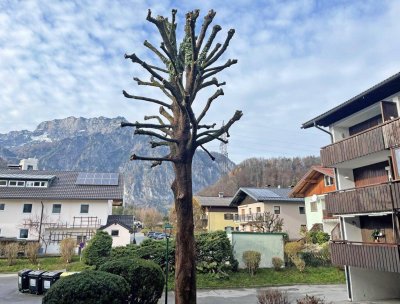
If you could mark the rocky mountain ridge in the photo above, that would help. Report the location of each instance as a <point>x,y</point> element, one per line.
<point>100,145</point>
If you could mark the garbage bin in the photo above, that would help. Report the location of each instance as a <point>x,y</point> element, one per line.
<point>23,280</point>
<point>35,281</point>
<point>49,278</point>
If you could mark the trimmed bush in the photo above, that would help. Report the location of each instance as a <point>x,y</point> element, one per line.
<point>277,262</point>
<point>88,287</point>
<point>318,237</point>
<point>272,296</point>
<point>299,263</point>
<point>98,249</point>
<point>293,248</point>
<point>145,278</point>
<point>252,260</point>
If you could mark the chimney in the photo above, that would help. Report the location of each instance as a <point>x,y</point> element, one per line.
<point>220,194</point>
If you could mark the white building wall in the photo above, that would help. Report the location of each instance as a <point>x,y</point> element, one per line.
<point>345,178</point>
<point>123,238</point>
<point>313,217</point>
<point>12,217</point>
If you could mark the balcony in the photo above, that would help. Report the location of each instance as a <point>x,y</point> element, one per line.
<point>370,141</point>
<point>375,198</point>
<point>378,256</point>
<point>250,217</point>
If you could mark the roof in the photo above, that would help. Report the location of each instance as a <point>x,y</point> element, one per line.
<point>303,184</point>
<point>212,201</point>
<point>130,229</point>
<point>377,93</point>
<point>264,195</point>
<point>62,187</point>
<point>124,219</point>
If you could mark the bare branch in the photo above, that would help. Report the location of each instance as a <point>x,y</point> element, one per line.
<point>213,71</point>
<point>206,126</point>
<point>213,81</point>
<point>153,83</point>
<point>215,49</point>
<point>146,126</point>
<point>158,69</point>
<point>203,54</point>
<point>156,163</point>
<point>162,46</point>
<point>150,133</point>
<point>155,144</point>
<point>218,93</point>
<point>207,21</point>
<point>158,118</point>
<point>160,159</point>
<point>231,32</point>
<point>157,52</point>
<point>168,116</point>
<point>208,153</point>
<point>146,99</point>
<point>222,130</point>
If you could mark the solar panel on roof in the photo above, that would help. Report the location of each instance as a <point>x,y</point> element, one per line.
<point>100,179</point>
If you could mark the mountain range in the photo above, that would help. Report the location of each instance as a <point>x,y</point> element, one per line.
<point>101,145</point>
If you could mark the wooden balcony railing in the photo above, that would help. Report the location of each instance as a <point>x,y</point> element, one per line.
<point>374,198</point>
<point>378,256</point>
<point>373,140</point>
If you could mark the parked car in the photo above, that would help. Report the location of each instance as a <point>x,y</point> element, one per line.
<point>150,234</point>
<point>161,236</point>
<point>156,235</point>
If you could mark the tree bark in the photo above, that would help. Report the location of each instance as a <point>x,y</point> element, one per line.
<point>185,267</point>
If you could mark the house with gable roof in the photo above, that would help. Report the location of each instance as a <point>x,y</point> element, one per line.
<point>120,227</point>
<point>253,203</point>
<point>52,205</point>
<point>313,187</point>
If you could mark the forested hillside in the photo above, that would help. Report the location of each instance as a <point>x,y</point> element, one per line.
<point>261,172</point>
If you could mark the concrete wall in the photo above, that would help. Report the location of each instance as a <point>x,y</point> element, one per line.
<point>345,178</point>
<point>268,244</point>
<point>367,284</point>
<point>124,237</point>
<point>352,229</point>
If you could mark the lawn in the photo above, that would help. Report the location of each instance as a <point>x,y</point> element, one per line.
<point>47,263</point>
<point>270,277</point>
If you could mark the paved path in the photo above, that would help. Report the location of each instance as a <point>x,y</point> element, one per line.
<point>9,294</point>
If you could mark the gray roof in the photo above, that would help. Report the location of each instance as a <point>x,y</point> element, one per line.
<point>377,93</point>
<point>62,187</point>
<point>124,219</point>
<point>212,201</point>
<point>264,195</point>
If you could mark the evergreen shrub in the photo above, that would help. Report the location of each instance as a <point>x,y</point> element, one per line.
<point>98,249</point>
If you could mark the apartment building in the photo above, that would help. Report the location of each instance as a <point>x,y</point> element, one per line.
<point>257,205</point>
<point>365,155</point>
<point>48,206</point>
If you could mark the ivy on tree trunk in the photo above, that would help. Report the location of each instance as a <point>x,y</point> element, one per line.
<point>185,70</point>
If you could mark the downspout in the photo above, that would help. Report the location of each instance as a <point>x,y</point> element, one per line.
<point>323,130</point>
<point>41,219</point>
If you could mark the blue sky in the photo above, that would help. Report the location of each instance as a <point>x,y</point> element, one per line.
<point>297,59</point>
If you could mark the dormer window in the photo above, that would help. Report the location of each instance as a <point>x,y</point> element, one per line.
<point>3,183</point>
<point>17,183</point>
<point>328,180</point>
<point>36,184</point>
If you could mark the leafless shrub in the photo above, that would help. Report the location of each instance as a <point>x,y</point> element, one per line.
<point>11,252</point>
<point>252,260</point>
<point>32,250</point>
<point>299,263</point>
<point>67,249</point>
<point>311,300</point>
<point>277,262</point>
<point>272,296</point>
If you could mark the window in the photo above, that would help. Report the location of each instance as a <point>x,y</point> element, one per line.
<point>84,208</point>
<point>3,183</point>
<point>27,208</point>
<point>81,240</point>
<point>56,208</point>
<point>277,209</point>
<point>36,184</point>
<point>114,232</point>
<point>228,216</point>
<point>301,210</point>
<point>249,210</point>
<point>328,180</point>
<point>303,227</point>
<point>23,233</point>
<point>2,206</point>
<point>313,206</point>
<point>258,209</point>
<point>16,183</point>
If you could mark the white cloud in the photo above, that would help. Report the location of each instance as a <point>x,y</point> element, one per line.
<point>297,59</point>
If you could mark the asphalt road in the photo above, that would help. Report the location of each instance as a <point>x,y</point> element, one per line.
<point>9,294</point>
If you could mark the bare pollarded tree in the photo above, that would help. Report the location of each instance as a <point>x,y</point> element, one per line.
<point>187,69</point>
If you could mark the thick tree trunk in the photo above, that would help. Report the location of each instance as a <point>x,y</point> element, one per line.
<point>185,267</point>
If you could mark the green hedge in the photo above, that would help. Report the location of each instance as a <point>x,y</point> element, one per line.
<point>88,287</point>
<point>98,249</point>
<point>145,278</point>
